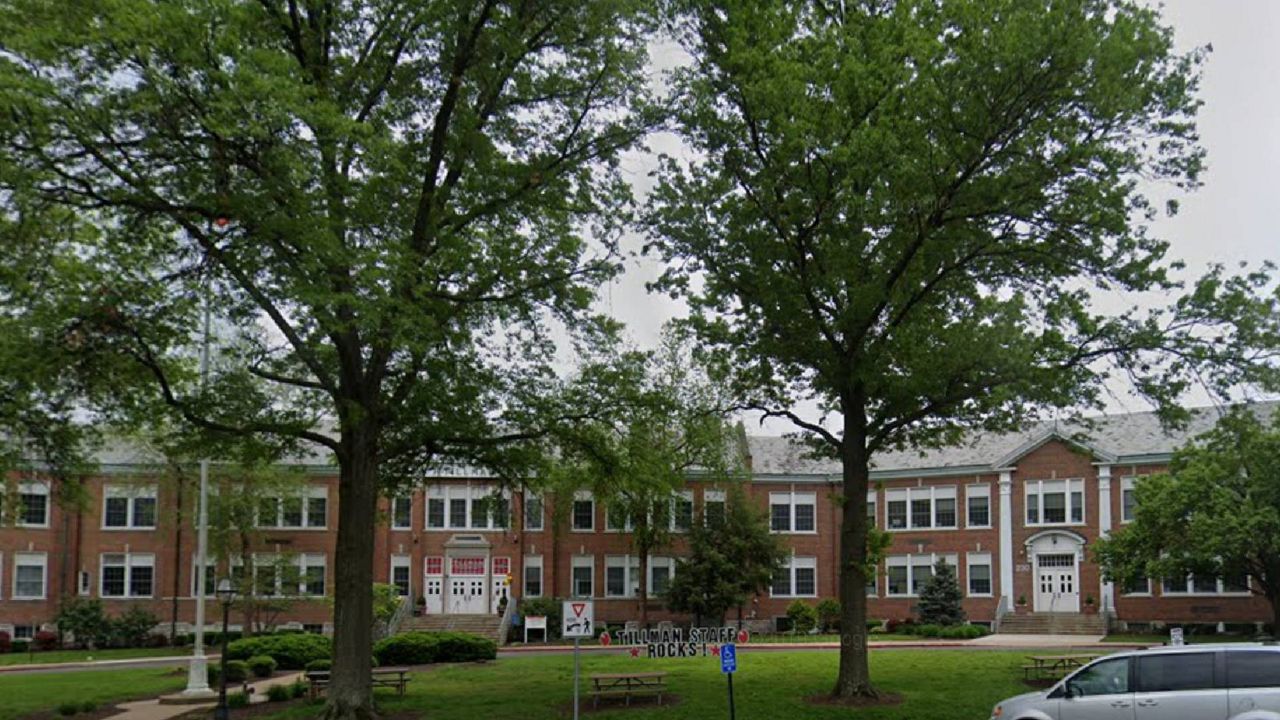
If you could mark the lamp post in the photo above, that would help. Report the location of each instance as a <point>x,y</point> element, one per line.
<point>226,594</point>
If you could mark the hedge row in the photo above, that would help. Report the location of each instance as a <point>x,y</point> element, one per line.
<point>423,648</point>
<point>291,652</point>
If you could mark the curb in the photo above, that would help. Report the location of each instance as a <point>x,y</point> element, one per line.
<point>123,662</point>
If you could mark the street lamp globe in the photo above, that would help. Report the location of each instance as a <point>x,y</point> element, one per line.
<point>226,592</point>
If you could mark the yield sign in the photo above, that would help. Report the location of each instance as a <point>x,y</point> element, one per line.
<point>578,608</point>
<point>578,617</point>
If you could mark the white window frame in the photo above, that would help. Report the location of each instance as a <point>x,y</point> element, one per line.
<point>1127,485</point>
<point>472,496</point>
<point>1146,593</point>
<point>131,494</point>
<point>542,511</point>
<point>33,488</point>
<point>1071,487</point>
<point>683,496</point>
<point>131,560</point>
<point>210,588</point>
<point>303,561</point>
<point>980,490</point>
<point>531,562</point>
<point>630,566</point>
<point>305,497</point>
<point>913,561</point>
<point>1219,588</point>
<point>794,563</point>
<point>395,515</point>
<point>610,514</point>
<point>978,559</point>
<point>657,561</point>
<point>710,496</point>
<point>873,499</point>
<point>932,493</point>
<point>582,496</point>
<point>399,561</point>
<point>575,563</point>
<point>792,499</point>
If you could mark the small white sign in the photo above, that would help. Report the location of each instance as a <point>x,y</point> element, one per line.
<point>1175,636</point>
<point>579,619</point>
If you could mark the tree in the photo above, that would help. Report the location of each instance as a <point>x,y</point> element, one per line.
<point>940,600</point>
<point>390,206</point>
<point>730,558</point>
<point>1215,514</point>
<point>83,619</point>
<point>902,213</point>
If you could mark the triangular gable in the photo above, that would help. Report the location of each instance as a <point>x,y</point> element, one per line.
<point>1048,435</point>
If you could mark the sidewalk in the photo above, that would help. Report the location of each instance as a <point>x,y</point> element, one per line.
<point>155,710</point>
<point>987,642</point>
<point>156,661</point>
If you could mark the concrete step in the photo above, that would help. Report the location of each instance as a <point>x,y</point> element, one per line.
<point>1054,624</point>
<point>487,626</point>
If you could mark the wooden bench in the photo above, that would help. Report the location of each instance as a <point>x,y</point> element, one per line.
<point>388,677</point>
<point>626,685</point>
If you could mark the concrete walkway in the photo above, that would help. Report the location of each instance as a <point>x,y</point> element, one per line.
<point>1010,640</point>
<point>155,710</point>
<point>121,664</point>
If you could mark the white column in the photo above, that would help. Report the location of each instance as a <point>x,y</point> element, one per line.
<point>1104,528</point>
<point>197,670</point>
<point>1006,537</point>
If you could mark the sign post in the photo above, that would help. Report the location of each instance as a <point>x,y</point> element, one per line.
<point>578,616</point>
<point>728,666</point>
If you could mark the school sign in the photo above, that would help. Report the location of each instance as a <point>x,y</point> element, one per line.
<point>676,642</point>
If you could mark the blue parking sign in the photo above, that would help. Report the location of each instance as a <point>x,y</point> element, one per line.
<point>728,658</point>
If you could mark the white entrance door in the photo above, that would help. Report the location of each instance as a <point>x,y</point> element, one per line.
<point>1057,585</point>
<point>433,584</point>
<point>467,595</point>
<point>501,567</point>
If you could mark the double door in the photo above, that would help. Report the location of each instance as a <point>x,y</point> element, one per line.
<point>1057,583</point>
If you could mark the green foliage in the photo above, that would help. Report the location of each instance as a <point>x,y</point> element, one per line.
<point>237,671</point>
<point>962,632</point>
<point>386,600</point>
<point>1214,514</point>
<point>941,601</point>
<point>21,646</point>
<point>262,666</point>
<point>132,627</point>
<point>548,607</point>
<point>319,665</point>
<point>291,652</point>
<point>279,693</point>
<point>803,617</point>
<point>422,648</point>
<point>298,689</point>
<point>829,616</point>
<point>83,619</point>
<point>729,560</point>
<point>237,699</point>
<point>68,709</point>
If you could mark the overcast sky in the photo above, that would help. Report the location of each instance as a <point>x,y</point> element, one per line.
<point>1232,218</point>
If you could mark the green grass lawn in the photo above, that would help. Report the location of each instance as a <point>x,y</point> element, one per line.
<point>61,656</point>
<point>950,684</point>
<point>23,694</point>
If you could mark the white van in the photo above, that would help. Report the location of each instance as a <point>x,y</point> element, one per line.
<point>1190,682</point>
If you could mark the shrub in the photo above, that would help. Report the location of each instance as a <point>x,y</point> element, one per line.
<point>928,630</point>
<point>6,644</point>
<point>84,619</point>
<point>278,693</point>
<point>829,615</point>
<point>319,666</point>
<point>68,709</point>
<point>237,700</point>
<point>422,648</point>
<point>21,646</point>
<point>548,606</point>
<point>237,671</point>
<point>803,617</point>
<point>132,627</point>
<point>875,625</point>
<point>45,640</point>
<point>291,652</point>
<point>88,706</point>
<point>962,632</point>
<point>213,672</point>
<point>262,665</point>
<point>298,689</point>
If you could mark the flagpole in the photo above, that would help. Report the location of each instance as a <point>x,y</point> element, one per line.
<point>198,673</point>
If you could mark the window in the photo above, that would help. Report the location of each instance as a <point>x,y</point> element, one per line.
<point>1203,585</point>
<point>617,519</point>
<point>584,512</point>
<point>308,510</point>
<point>583,576</point>
<point>621,576</point>
<point>129,507</point>
<point>1253,668</point>
<point>1174,672</point>
<point>1127,499</point>
<point>713,507</point>
<point>661,569</point>
<point>1138,586</point>
<point>793,512</point>
<point>435,512</point>
<point>1107,677</point>
<point>682,511</point>
<point>210,576</point>
<point>33,504</point>
<point>402,513</point>
<point>798,578</point>
<point>906,575</point>
<point>312,574</point>
<point>127,575</point>
<point>871,508</point>
<point>458,513</point>
<point>467,507</point>
<point>313,628</point>
<point>400,565</point>
<point>978,503</point>
<point>30,572</point>
<point>533,575</point>
<point>532,512</point>
<point>1055,502</point>
<point>921,508</point>
<point>24,632</point>
<point>979,572</point>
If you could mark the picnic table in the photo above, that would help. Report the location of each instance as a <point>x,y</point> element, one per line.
<point>627,685</point>
<point>392,677</point>
<point>1055,666</point>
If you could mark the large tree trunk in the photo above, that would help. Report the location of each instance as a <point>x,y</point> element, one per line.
<point>350,692</point>
<point>854,679</point>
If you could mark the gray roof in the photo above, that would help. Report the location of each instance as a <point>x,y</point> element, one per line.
<point>1121,438</point>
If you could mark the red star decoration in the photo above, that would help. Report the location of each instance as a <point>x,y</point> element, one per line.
<point>715,650</point>
<point>743,636</point>
<point>635,652</point>
<point>605,639</point>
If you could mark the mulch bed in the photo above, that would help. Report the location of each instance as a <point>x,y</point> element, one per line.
<point>884,699</point>
<point>642,702</point>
